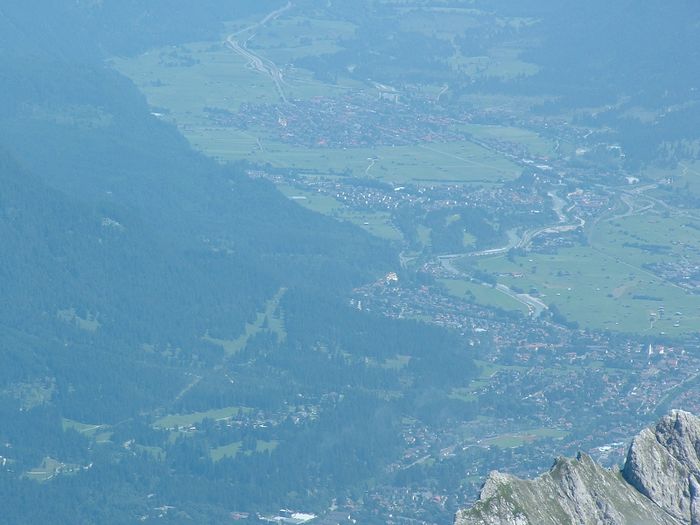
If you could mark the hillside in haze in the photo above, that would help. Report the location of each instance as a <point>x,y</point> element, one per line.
<point>134,272</point>
<point>333,262</point>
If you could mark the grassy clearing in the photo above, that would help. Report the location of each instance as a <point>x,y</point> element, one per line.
<point>517,439</point>
<point>535,143</point>
<point>676,236</point>
<point>376,223</point>
<point>83,428</point>
<point>463,394</point>
<point>424,236</point>
<point>227,451</point>
<point>487,371</point>
<point>600,289</point>
<point>215,77</point>
<point>457,162</point>
<point>271,318</point>
<point>89,323</point>
<point>266,446</point>
<point>233,449</point>
<point>468,240</point>
<point>187,420</point>
<point>685,176</point>
<point>50,468</point>
<point>103,437</point>
<point>312,200</point>
<point>397,363</point>
<point>482,294</point>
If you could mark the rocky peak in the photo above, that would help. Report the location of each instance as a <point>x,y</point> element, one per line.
<point>663,463</point>
<point>659,484</point>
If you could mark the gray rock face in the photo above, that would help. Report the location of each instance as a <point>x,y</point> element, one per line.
<point>663,464</point>
<point>659,485</point>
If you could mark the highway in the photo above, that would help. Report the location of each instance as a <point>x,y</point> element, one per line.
<point>534,305</point>
<point>255,61</point>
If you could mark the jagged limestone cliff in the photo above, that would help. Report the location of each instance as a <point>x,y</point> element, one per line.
<point>663,464</point>
<point>659,484</point>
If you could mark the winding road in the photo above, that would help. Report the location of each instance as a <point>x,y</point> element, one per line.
<point>534,305</point>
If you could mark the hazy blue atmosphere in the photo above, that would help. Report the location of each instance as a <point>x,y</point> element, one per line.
<point>333,262</point>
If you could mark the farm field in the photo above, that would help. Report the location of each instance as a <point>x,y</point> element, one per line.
<point>185,420</point>
<point>50,468</point>
<point>376,223</point>
<point>180,82</point>
<point>684,178</point>
<point>482,294</point>
<point>532,141</point>
<point>233,449</point>
<point>82,428</point>
<point>601,291</point>
<point>517,439</point>
<point>458,162</point>
<point>611,290</point>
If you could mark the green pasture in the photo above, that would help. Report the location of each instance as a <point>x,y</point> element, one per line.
<point>487,371</point>
<point>481,294</point>
<point>517,439</point>
<point>375,222</point>
<point>89,323</point>
<point>464,394</point>
<point>535,143</point>
<point>226,451</point>
<point>82,428</point>
<point>397,363</point>
<point>598,288</point>
<point>456,162</point>
<point>424,235</point>
<point>217,78</point>
<point>183,80</point>
<point>649,238</point>
<point>266,446</point>
<point>186,420</point>
<point>685,177</point>
<point>48,468</point>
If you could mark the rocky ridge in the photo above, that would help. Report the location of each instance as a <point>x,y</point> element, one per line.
<point>658,485</point>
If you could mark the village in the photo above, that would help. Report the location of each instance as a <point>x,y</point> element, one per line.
<point>541,382</point>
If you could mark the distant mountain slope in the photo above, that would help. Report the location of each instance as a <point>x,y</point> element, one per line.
<point>130,266</point>
<point>116,234</point>
<point>659,484</point>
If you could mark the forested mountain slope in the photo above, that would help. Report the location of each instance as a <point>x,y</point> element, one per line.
<point>173,333</point>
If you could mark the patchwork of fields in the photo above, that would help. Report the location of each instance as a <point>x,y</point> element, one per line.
<point>601,285</point>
